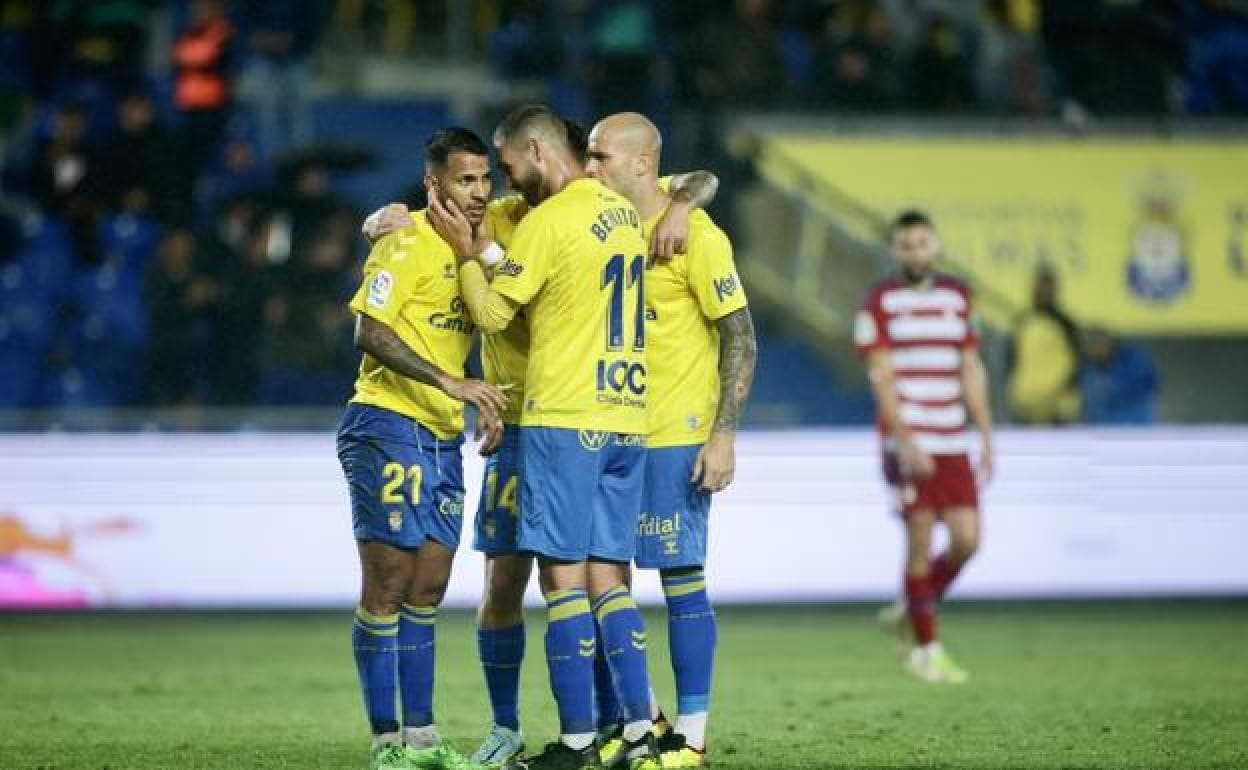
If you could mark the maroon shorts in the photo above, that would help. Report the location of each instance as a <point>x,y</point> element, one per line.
<point>952,485</point>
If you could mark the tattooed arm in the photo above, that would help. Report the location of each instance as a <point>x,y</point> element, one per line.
<point>738,352</point>
<point>381,342</point>
<point>689,191</point>
<point>695,189</point>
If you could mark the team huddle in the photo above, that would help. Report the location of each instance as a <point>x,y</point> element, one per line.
<point>618,352</point>
<point>614,378</point>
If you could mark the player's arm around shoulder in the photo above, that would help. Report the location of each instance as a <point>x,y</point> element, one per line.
<point>689,191</point>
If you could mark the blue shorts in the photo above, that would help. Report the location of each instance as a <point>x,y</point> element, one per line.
<point>498,514</point>
<point>580,493</point>
<point>406,485</point>
<point>672,532</point>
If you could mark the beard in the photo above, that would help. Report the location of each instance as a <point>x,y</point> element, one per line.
<point>915,275</point>
<point>530,187</point>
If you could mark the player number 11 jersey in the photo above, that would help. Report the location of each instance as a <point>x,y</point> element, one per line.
<point>578,262</point>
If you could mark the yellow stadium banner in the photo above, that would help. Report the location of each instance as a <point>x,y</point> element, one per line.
<point>1147,236</point>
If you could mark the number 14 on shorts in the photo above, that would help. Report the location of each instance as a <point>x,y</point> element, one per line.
<point>506,499</point>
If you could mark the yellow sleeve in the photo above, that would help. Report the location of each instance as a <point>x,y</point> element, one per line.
<point>713,275</point>
<point>665,183</point>
<point>386,288</point>
<point>489,310</point>
<point>505,214</point>
<point>524,270</point>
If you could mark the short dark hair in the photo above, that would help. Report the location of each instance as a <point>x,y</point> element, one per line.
<point>578,139</point>
<point>533,119</point>
<point>910,218</point>
<point>446,141</point>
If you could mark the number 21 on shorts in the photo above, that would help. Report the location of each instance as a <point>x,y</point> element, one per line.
<point>396,474</point>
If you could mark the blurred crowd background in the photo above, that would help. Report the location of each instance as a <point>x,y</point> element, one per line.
<point>183,181</point>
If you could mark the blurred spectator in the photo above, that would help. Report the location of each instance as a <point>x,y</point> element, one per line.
<point>1010,69</point>
<point>238,170</point>
<point>1118,380</point>
<point>67,176</point>
<point>1115,56</point>
<point>527,43</point>
<point>306,355</point>
<point>1044,359</point>
<point>735,59</point>
<point>278,77</point>
<point>143,160</point>
<point>180,303</point>
<point>202,89</point>
<point>236,256</point>
<point>82,40</point>
<point>1217,57</point>
<point>940,69</point>
<point>623,39</point>
<point>858,63</point>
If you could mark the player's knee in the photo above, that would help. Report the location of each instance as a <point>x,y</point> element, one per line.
<point>428,592</point>
<point>382,597</point>
<point>503,605</point>
<point>606,576</point>
<point>963,546</point>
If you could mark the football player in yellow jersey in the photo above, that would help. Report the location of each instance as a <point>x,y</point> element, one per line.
<point>701,351</point>
<point>576,265</point>
<point>399,445</point>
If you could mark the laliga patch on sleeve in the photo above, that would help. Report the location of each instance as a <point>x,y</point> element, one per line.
<point>379,289</point>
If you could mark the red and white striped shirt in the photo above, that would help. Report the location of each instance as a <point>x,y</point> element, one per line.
<point>925,332</point>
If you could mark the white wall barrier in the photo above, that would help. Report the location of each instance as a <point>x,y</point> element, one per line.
<point>145,520</point>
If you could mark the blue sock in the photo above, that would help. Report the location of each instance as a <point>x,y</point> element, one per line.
<point>692,634</point>
<point>374,639</point>
<point>604,690</point>
<point>416,663</point>
<point>624,639</point>
<point>501,652</point>
<point>570,644</point>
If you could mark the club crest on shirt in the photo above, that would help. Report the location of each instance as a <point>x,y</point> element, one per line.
<point>396,521</point>
<point>379,289</point>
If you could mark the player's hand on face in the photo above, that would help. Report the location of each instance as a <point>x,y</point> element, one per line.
<point>450,223</point>
<point>490,434</point>
<point>716,463</point>
<point>671,232</point>
<point>914,461</point>
<point>385,220</point>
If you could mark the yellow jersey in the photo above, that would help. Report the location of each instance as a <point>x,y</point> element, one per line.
<point>578,262</point>
<point>411,284</point>
<point>685,296</point>
<point>505,355</point>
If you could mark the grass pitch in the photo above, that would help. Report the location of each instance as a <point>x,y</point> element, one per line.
<point>1105,685</point>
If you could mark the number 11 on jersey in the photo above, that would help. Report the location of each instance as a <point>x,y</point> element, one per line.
<point>615,277</point>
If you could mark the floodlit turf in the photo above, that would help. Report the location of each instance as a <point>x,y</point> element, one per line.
<point>1085,685</point>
